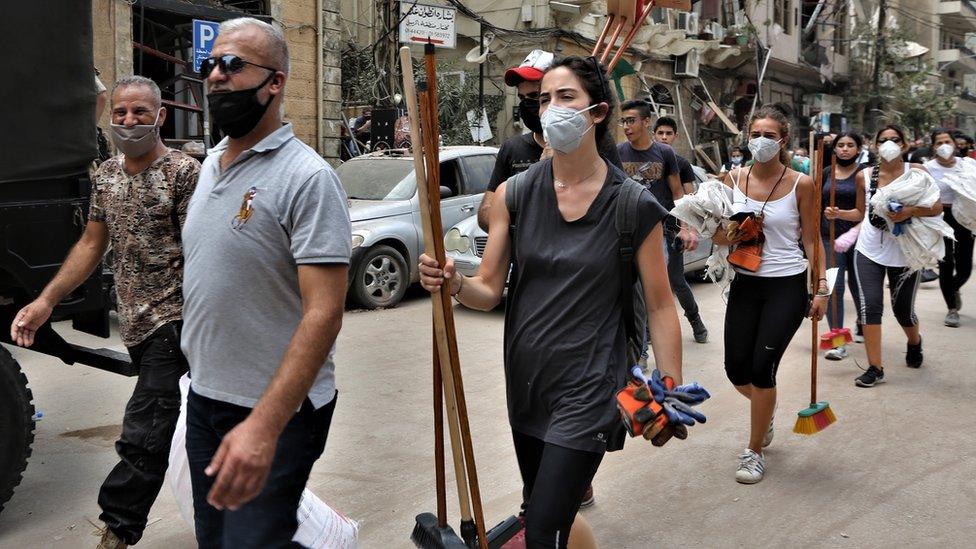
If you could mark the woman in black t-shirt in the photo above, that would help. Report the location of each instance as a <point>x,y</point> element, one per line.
<point>565,343</point>
<point>847,213</point>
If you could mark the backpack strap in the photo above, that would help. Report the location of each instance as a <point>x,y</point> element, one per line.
<point>628,200</point>
<point>512,189</point>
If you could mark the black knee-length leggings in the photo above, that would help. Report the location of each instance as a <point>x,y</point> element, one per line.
<point>762,315</point>
<point>957,265</point>
<point>870,298</point>
<point>554,479</point>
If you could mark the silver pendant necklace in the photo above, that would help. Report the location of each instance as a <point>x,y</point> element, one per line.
<point>562,185</point>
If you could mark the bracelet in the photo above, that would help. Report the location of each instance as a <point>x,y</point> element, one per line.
<point>825,294</point>
<point>460,285</point>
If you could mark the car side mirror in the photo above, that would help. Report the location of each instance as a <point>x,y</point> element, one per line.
<point>446,192</point>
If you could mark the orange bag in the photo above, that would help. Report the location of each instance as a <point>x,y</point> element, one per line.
<point>747,254</point>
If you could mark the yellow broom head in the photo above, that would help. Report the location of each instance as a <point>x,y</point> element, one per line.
<point>814,419</point>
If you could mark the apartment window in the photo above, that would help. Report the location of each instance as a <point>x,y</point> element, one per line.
<point>783,14</point>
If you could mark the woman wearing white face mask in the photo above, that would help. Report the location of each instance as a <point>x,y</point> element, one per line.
<point>955,269</point>
<point>565,347</point>
<point>878,254</point>
<point>768,297</point>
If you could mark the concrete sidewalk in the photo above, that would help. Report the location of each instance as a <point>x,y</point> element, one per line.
<point>896,470</point>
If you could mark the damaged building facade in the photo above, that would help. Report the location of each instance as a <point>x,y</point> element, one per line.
<point>154,38</point>
<point>707,66</point>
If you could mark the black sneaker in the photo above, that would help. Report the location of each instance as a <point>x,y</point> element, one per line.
<point>928,275</point>
<point>913,357</point>
<point>699,330</point>
<point>870,377</point>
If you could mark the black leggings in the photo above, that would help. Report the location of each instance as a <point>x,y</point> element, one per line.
<point>955,268</point>
<point>870,298</point>
<point>762,315</point>
<point>554,479</point>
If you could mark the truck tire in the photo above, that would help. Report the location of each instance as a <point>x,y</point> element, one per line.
<point>16,425</point>
<point>380,279</point>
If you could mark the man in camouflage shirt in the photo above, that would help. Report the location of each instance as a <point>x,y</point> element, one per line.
<point>138,204</point>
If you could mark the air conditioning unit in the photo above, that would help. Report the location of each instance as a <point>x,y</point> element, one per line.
<point>716,30</point>
<point>688,22</point>
<point>660,15</point>
<point>687,64</point>
<point>806,111</point>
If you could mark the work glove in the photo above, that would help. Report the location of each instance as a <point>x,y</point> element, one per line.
<point>844,242</point>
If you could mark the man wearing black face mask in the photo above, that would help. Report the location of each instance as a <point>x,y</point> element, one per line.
<point>267,243</point>
<point>519,152</point>
<point>138,204</point>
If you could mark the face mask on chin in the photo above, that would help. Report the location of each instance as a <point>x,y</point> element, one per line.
<point>238,112</point>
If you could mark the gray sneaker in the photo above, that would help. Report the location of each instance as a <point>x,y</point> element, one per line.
<point>699,330</point>
<point>837,353</point>
<point>952,318</point>
<point>110,541</point>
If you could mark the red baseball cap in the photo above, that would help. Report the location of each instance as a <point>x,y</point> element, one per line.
<point>531,69</point>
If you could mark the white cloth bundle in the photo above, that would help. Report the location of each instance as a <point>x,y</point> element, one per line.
<point>921,240</point>
<point>707,210</point>
<point>319,526</point>
<point>963,183</point>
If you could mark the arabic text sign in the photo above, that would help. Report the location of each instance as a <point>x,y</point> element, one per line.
<point>434,23</point>
<point>204,35</point>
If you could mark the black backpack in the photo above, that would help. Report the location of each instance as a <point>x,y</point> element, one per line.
<point>626,224</point>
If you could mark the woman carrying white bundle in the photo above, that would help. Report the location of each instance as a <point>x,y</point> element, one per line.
<point>955,268</point>
<point>878,254</point>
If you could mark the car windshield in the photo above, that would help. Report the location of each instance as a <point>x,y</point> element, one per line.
<point>378,179</point>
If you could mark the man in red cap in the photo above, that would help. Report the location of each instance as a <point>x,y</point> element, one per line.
<point>521,151</point>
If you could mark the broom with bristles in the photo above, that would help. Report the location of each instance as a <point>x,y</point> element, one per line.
<point>816,417</point>
<point>840,336</point>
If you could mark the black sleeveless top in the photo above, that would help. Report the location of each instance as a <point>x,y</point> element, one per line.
<point>565,353</point>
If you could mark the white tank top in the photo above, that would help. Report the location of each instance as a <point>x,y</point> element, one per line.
<point>781,255</point>
<point>876,244</point>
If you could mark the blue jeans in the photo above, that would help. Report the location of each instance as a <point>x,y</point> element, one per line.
<point>270,519</point>
<point>844,261</point>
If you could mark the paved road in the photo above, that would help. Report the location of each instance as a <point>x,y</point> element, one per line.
<point>895,471</point>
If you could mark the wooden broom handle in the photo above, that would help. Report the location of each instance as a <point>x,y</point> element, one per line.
<point>830,253</point>
<point>815,269</point>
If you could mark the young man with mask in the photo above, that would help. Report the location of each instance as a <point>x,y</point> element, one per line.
<point>655,165</point>
<point>665,132</point>
<point>518,153</point>
<point>267,242</point>
<point>138,204</point>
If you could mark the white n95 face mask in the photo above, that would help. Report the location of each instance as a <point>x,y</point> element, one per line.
<point>945,151</point>
<point>563,128</point>
<point>763,149</point>
<point>889,150</point>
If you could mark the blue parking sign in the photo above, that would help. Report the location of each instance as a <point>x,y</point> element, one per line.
<point>204,35</point>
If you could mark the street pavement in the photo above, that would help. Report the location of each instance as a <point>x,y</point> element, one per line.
<point>896,470</point>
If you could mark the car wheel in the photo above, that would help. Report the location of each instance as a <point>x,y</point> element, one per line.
<point>381,278</point>
<point>16,425</point>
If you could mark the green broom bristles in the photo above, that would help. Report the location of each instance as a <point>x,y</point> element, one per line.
<point>814,419</point>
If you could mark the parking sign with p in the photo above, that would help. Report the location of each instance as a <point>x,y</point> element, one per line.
<point>204,34</point>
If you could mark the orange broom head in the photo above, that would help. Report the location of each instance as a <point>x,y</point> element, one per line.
<point>835,338</point>
<point>814,419</point>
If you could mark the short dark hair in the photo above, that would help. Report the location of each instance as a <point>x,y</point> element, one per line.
<point>638,105</point>
<point>593,75</point>
<point>936,132</point>
<point>895,128</point>
<point>666,121</point>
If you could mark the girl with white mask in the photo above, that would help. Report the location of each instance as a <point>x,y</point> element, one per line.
<point>878,254</point>
<point>767,302</point>
<point>566,353</point>
<point>955,268</point>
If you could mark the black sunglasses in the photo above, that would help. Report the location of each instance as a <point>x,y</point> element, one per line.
<point>896,140</point>
<point>229,64</point>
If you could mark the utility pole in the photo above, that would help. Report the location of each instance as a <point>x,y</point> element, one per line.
<point>874,105</point>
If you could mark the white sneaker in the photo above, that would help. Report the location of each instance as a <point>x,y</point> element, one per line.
<point>858,334</point>
<point>837,353</point>
<point>751,467</point>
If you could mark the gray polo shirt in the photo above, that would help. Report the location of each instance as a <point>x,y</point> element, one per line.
<point>277,206</point>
